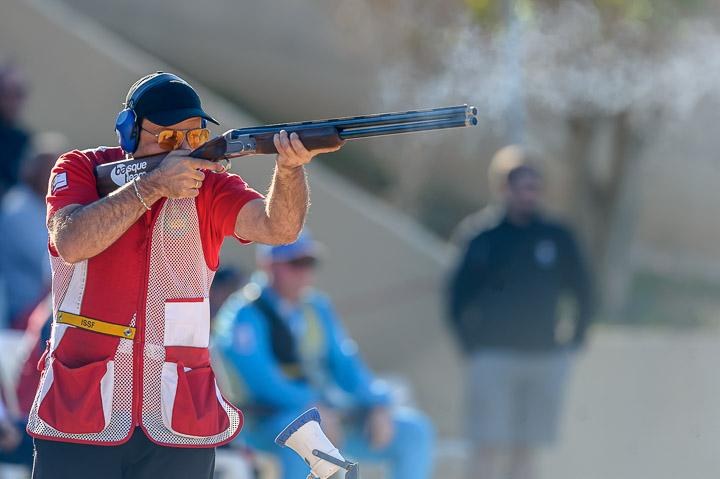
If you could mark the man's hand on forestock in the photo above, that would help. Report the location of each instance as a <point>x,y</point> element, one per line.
<point>179,175</point>
<point>292,153</point>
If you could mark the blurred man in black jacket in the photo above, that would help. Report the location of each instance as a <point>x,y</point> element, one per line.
<point>504,304</point>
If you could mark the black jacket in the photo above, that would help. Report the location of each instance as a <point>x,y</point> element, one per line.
<point>505,292</point>
<point>14,141</point>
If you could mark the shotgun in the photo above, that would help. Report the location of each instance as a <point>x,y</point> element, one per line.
<point>313,134</point>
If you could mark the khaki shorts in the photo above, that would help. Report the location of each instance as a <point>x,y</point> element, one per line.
<point>515,399</point>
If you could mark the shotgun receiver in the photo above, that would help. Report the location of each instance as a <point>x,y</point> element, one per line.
<point>313,134</point>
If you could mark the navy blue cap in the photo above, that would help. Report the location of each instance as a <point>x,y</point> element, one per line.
<point>170,102</point>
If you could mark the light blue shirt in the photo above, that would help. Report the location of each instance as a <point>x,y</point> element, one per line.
<point>243,337</point>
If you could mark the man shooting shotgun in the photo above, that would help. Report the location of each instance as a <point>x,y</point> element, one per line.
<point>313,134</point>
<point>128,363</point>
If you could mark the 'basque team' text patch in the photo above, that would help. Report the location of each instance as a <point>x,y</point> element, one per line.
<point>59,182</point>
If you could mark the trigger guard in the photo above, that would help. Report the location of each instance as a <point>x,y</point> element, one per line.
<point>227,164</point>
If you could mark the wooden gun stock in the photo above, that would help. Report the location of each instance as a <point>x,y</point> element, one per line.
<point>314,138</point>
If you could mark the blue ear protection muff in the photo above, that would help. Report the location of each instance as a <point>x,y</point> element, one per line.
<point>126,124</point>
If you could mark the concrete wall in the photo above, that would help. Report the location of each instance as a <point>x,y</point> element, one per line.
<point>262,53</point>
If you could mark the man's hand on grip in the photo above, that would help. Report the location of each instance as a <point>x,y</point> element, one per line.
<point>179,175</point>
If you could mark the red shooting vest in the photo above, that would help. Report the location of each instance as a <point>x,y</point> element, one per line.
<point>96,388</point>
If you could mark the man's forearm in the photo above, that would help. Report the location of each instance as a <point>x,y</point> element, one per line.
<point>287,203</point>
<point>86,231</point>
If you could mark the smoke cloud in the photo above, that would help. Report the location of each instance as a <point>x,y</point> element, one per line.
<point>569,63</point>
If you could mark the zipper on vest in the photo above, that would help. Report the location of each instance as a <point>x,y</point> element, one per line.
<point>139,345</point>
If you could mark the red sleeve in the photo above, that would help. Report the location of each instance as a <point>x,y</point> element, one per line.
<point>221,198</point>
<point>72,181</point>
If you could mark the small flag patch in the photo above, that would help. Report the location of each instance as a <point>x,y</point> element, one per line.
<point>59,182</point>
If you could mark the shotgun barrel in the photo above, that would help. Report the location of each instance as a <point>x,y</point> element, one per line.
<point>341,124</point>
<point>329,133</point>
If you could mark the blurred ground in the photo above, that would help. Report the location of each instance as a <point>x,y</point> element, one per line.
<point>643,404</point>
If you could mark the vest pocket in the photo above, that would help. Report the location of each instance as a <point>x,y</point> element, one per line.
<point>187,322</point>
<point>191,402</point>
<point>77,400</point>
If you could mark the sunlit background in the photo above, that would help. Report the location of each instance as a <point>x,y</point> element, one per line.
<point>620,98</point>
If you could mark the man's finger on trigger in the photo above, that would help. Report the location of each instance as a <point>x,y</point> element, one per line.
<point>200,164</point>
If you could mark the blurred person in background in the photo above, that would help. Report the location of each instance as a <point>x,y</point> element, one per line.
<point>16,447</point>
<point>285,343</point>
<point>504,299</point>
<point>35,338</point>
<point>14,138</point>
<point>23,244</point>
<point>505,160</point>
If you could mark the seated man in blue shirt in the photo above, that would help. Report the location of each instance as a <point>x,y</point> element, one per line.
<point>284,348</point>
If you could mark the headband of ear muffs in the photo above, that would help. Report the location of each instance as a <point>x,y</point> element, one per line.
<point>126,125</point>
